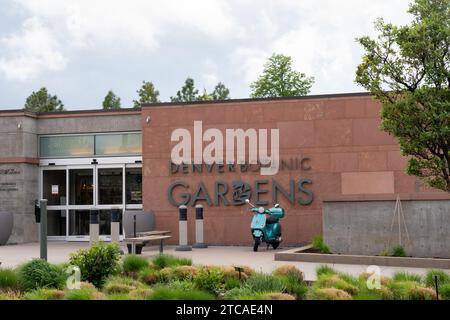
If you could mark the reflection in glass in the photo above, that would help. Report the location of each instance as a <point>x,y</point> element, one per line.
<point>110,185</point>
<point>81,187</point>
<point>66,146</point>
<point>56,223</point>
<point>79,222</point>
<point>114,144</point>
<point>105,222</point>
<point>54,187</point>
<point>133,184</point>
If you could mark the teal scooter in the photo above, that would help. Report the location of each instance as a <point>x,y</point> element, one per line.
<point>265,225</point>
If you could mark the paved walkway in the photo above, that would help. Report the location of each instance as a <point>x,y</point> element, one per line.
<point>58,251</point>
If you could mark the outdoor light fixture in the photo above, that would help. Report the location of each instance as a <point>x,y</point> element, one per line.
<point>19,125</point>
<point>148,119</point>
<point>94,161</point>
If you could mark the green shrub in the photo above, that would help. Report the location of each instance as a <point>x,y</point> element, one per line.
<point>8,279</point>
<point>293,286</point>
<point>45,294</point>
<point>164,260</point>
<point>319,245</point>
<point>210,279</point>
<point>97,263</point>
<point>141,294</point>
<point>166,274</point>
<point>38,273</point>
<point>324,269</point>
<point>421,293</point>
<point>149,276</point>
<point>181,285</point>
<point>317,293</point>
<point>334,281</point>
<point>121,285</point>
<point>119,296</point>
<point>398,251</point>
<point>444,291</point>
<point>165,293</point>
<point>260,282</point>
<point>401,289</point>
<point>83,294</point>
<point>406,276</point>
<point>231,283</point>
<point>132,264</point>
<point>242,294</point>
<point>383,293</point>
<point>443,278</point>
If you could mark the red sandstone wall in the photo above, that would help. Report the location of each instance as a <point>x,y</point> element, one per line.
<point>350,156</point>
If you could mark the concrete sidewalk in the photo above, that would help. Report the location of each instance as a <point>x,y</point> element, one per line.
<point>58,251</point>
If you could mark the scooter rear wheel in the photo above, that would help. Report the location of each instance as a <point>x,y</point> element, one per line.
<point>256,245</point>
<point>275,245</point>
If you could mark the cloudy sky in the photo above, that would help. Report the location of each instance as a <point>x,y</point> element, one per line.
<point>80,49</point>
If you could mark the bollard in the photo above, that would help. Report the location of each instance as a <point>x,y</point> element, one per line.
<point>37,215</point>
<point>115,225</point>
<point>199,242</point>
<point>43,229</point>
<point>183,230</point>
<point>94,228</point>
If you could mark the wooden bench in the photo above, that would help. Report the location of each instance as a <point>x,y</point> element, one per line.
<point>145,239</point>
<point>153,233</point>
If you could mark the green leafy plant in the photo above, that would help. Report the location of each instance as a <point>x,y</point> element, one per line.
<point>406,276</point>
<point>290,271</point>
<point>10,295</point>
<point>444,291</point>
<point>38,273</point>
<point>97,263</point>
<point>398,251</point>
<point>384,253</point>
<point>121,285</point>
<point>83,294</point>
<point>210,279</point>
<point>443,278</point>
<point>319,245</point>
<point>8,279</point>
<point>165,293</point>
<point>334,281</point>
<point>45,294</point>
<point>149,276</point>
<point>141,294</point>
<point>231,282</point>
<point>242,293</point>
<point>132,264</point>
<point>260,282</point>
<point>164,260</point>
<point>317,293</point>
<point>324,269</point>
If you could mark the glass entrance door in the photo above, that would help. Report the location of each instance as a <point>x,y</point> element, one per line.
<point>73,191</point>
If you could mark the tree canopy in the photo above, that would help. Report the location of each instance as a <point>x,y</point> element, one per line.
<point>187,93</point>
<point>42,101</point>
<point>111,101</point>
<point>407,69</point>
<point>278,79</point>
<point>147,94</point>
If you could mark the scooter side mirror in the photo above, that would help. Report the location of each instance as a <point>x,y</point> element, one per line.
<point>277,205</point>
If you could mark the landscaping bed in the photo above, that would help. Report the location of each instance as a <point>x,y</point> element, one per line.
<point>308,254</point>
<point>105,275</point>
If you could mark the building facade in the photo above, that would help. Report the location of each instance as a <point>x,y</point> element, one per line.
<point>338,174</point>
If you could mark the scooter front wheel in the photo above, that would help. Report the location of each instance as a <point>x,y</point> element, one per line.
<point>256,245</point>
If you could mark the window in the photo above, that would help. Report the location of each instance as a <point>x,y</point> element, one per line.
<point>66,146</point>
<point>110,185</point>
<point>81,187</point>
<point>54,187</point>
<point>90,145</point>
<point>133,183</point>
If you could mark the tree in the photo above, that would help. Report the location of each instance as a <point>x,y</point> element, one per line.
<point>42,101</point>
<point>111,101</point>
<point>205,96</point>
<point>221,92</point>
<point>407,69</point>
<point>147,94</point>
<point>279,80</point>
<point>187,93</point>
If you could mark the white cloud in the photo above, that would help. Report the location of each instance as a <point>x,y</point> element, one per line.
<point>113,24</point>
<point>32,50</point>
